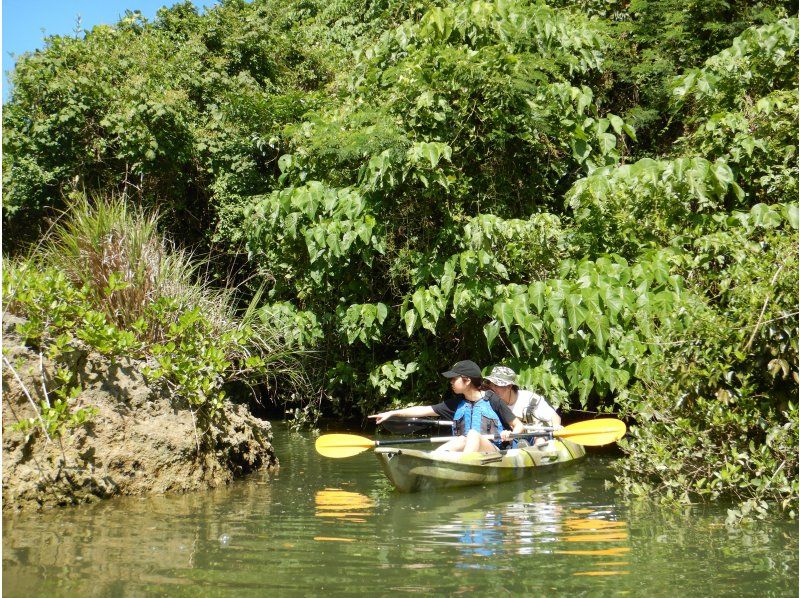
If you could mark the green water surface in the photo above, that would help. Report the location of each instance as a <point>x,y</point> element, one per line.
<point>337,527</point>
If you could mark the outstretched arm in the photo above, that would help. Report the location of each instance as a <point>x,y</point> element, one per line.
<point>420,411</point>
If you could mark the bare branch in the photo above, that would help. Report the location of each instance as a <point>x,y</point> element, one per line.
<point>763,309</point>
<point>28,395</point>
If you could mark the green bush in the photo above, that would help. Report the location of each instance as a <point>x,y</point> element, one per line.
<point>107,279</point>
<point>716,406</point>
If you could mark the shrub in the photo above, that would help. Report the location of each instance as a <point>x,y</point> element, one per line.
<point>106,278</point>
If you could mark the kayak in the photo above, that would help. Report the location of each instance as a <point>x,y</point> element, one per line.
<point>413,470</point>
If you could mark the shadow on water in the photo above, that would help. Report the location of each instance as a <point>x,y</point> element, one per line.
<point>338,527</point>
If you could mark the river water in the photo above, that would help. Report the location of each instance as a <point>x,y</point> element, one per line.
<point>337,527</point>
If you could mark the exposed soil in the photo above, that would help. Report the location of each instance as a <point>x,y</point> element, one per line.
<point>141,441</point>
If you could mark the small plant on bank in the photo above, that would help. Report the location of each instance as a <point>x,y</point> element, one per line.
<point>56,417</point>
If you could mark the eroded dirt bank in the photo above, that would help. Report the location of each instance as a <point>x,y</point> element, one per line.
<point>140,441</point>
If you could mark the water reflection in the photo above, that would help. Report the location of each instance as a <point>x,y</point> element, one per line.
<point>131,541</point>
<point>482,534</point>
<point>342,504</point>
<point>337,527</point>
<point>492,531</point>
<point>598,529</point>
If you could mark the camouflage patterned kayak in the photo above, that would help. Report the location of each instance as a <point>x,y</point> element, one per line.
<point>412,470</point>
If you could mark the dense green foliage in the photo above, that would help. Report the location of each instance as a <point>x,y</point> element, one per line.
<point>602,195</point>
<point>108,282</point>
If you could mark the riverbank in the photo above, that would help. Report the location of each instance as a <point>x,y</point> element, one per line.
<point>141,440</point>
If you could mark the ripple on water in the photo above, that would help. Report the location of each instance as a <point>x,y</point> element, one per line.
<point>337,527</point>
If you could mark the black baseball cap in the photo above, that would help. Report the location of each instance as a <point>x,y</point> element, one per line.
<point>465,368</point>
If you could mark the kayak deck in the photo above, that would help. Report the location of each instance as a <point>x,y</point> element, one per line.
<point>413,470</point>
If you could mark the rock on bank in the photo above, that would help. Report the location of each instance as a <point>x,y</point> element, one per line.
<point>141,440</point>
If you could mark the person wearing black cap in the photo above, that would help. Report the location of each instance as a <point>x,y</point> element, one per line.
<point>474,412</point>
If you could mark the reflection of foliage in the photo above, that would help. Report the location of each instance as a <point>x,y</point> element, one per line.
<point>769,545</point>
<point>430,181</point>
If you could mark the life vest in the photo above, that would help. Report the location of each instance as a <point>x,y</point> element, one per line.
<point>478,416</point>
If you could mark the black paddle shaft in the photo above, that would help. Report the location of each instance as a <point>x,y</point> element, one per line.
<point>408,425</point>
<point>545,433</point>
<point>402,441</point>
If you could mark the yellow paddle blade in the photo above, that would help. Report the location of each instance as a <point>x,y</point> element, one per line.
<point>338,446</point>
<point>593,432</point>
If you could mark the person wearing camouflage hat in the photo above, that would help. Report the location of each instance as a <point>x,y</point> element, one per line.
<point>526,405</point>
<point>474,411</point>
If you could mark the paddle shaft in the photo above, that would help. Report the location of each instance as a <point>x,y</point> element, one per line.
<point>446,422</point>
<point>409,425</point>
<point>421,420</point>
<point>440,439</point>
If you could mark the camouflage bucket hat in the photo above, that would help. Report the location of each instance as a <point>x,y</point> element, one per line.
<point>502,376</point>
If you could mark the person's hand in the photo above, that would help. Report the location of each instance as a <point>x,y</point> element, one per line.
<point>381,417</point>
<point>505,435</point>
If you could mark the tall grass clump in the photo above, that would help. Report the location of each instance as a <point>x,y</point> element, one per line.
<point>117,253</point>
<point>106,277</point>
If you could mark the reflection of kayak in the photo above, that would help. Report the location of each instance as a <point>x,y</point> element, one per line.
<point>412,470</point>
